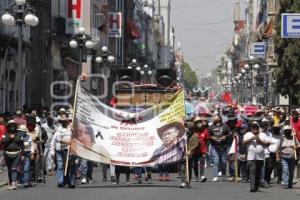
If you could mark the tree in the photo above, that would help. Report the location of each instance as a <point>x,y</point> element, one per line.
<point>189,77</point>
<point>287,73</point>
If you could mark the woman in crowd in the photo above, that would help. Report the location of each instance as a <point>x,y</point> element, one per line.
<point>13,148</point>
<point>287,154</point>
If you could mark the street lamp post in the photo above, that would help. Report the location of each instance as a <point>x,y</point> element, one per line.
<point>20,13</point>
<point>83,41</point>
<point>251,66</point>
<point>104,57</point>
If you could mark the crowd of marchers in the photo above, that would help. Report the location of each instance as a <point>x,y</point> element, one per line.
<point>259,148</point>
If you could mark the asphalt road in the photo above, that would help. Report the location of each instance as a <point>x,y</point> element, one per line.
<point>157,190</point>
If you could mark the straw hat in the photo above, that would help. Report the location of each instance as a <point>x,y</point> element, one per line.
<point>22,128</point>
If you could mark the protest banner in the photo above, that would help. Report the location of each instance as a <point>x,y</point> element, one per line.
<point>108,135</point>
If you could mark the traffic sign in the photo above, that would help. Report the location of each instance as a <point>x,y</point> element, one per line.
<point>290,25</point>
<point>258,49</point>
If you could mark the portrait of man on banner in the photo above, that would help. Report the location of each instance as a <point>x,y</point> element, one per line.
<point>172,149</point>
<point>84,144</point>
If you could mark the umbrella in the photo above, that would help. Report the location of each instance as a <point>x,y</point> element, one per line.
<point>203,108</point>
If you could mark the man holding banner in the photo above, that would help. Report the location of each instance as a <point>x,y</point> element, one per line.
<point>59,150</point>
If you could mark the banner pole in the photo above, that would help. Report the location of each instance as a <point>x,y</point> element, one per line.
<point>73,117</point>
<point>236,159</point>
<point>187,165</point>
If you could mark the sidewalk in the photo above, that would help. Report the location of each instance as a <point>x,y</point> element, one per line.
<point>3,178</point>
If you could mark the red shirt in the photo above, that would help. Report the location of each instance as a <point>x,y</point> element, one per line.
<point>296,126</point>
<point>203,138</point>
<point>2,132</point>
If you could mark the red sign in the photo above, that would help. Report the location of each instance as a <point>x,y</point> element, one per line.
<point>250,110</point>
<point>74,7</point>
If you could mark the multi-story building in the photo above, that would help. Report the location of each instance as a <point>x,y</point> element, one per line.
<point>50,66</point>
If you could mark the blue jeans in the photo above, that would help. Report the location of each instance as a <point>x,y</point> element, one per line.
<point>60,162</point>
<point>61,157</point>
<point>12,165</point>
<point>288,167</point>
<point>26,168</point>
<point>216,155</point>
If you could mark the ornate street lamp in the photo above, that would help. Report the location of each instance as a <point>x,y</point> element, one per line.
<point>20,13</point>
<point>82,41</point>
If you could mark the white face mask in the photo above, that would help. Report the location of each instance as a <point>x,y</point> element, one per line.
<point>198,125</point>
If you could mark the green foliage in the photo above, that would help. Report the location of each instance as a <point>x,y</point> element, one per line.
<point>288,71</point>
<point>189,77</point>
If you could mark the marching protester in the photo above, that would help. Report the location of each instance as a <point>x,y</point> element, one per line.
<point>219,134</point>
<point>187,161</point>
<point>122,169</point>
<point>20,118</point>
<point>2,132</point>
<point>59,151</point>
<point>201,129</point>
<point>256,143</point>
<point>13,150</point>
<point>28,156</point>
<point>270,152</point>
<point>50,129</point>
<point>287,154</point>
<point>34,132</point>
<point>242,150</point>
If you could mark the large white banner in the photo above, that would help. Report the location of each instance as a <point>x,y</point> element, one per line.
<point>74,16</point>
<point>104,134</point>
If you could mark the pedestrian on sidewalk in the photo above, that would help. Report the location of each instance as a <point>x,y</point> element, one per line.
<point>13,147</point>
<point>256,143</point>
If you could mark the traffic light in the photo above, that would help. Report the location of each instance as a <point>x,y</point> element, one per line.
<point>165,77</point>
<point>129,75</point>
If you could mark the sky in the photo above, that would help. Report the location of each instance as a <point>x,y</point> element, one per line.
<point>204,29</point>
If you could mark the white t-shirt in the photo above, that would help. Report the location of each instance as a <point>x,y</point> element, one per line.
<point>256,151</point>
<point>273,146</point>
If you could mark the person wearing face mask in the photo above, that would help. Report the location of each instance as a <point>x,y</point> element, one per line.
<point>256,142</point>
<point>50,129</point>
<point>219,134</point>
<point>191,145</point>
<point>34,132</point>
<point>277,134</point>
<point>13,150</point>
<point>59,150</point>
<point>270,152</point>
<point>201,129</point>
<point>286,154</point>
